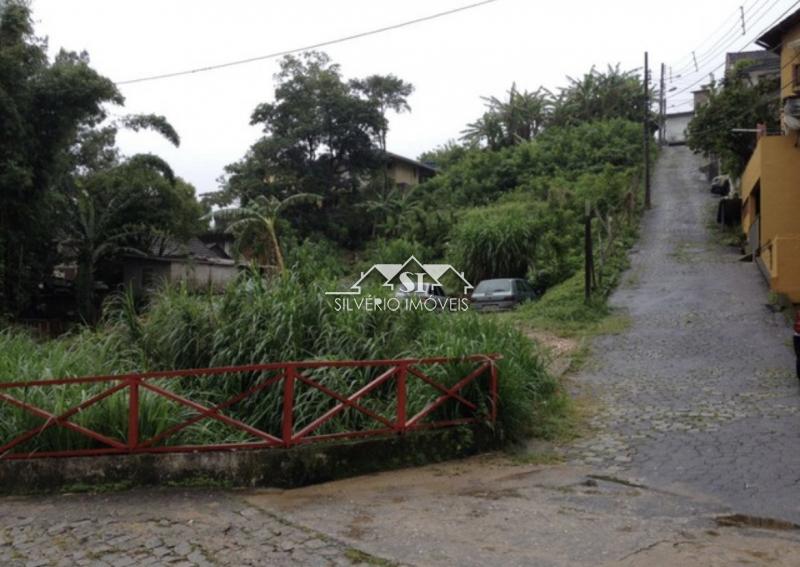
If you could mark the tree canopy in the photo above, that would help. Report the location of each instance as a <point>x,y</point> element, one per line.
<point>736,103</point>
<point>61,173</point>
<point>323,135</point>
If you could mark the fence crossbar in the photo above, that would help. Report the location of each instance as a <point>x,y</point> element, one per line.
<point>345,402</point>
<point>214,410</point>
<point>287,374</point>
<point>59,420</point>
<point>449,394</point>
<point>209,413</point>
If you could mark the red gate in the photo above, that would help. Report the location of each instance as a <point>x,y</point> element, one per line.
<point>286,375</point>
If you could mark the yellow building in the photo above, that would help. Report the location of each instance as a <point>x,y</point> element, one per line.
<point>770,185</point>
<point>407,172</point>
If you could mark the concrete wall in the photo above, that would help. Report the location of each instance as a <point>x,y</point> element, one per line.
<point>771,182</point>
<point>751,178</point>
<point>403,173</point>
<point>780,187</point>
<point>675,126</point>
<point>785,270</point>
<point>143,274</point>
<point>215,276</point>
<point>286,468</point>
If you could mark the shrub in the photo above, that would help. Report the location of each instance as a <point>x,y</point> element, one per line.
<point>497,241</point>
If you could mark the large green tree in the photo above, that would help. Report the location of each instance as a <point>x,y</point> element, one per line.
<point>135,206</point>
<point>734,104</point>
<point>322,135</point>
<point>600,95</point>
<point>66,193</point>
<point>518,118</point>
<point>44,106</point>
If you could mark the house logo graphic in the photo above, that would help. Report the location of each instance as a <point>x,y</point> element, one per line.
<point>415,286</point>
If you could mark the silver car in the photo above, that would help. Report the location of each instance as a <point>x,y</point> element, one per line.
<point>500,294</point>
<point>425,291</point>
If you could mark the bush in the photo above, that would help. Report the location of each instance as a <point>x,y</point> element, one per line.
<point>497,241</point>
<point>394,251</point>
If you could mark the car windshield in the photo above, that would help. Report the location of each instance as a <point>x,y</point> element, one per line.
<point>494,286</point>
<point>425,288</point>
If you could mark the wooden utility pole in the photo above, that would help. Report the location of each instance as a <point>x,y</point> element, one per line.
<point>662,108</point>
<point>646,128</point>
<point>588,258</point>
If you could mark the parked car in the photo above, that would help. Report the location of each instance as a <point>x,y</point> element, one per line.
<point>721,185</point>
<point>425,291</point>
<point>797,341</point>
<point>499,294</point>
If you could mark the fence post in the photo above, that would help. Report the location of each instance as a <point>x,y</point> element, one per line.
<point>493,388</point>
<point>288,405</point>
<point>402,374</point>
<point>588,259</point>
<point>133,413</point>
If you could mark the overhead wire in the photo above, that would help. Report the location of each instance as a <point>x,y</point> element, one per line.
<point>697,60</point>
<point>749,41</point>
<point>305,47</point>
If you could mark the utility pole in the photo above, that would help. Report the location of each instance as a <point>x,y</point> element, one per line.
<point>646,129</point>
<point>662,108</point>
<point>588,254</point>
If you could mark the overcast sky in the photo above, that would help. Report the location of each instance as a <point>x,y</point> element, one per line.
<point>451,61</point>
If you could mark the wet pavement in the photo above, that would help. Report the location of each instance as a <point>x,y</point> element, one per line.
<point>700,392</point>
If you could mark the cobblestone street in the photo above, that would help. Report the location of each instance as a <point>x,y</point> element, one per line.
<point>156,527</point>
<point>699,393</point>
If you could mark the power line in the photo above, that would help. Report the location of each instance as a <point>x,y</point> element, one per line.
<point>792,60</point>
<point>692,61</point>
<point>781,17</point>
<point>720,46</point>
<point>759,10</point>
<point>306,47</point>
<point>679,63</point>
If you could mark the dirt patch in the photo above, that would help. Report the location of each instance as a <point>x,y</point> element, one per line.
<point>558,346</point>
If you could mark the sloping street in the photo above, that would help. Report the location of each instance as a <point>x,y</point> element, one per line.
<point>699,393</point>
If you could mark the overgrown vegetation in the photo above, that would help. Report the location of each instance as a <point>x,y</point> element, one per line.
<point>508,201</point>
<point>736,103</point>
<point>255,322</point>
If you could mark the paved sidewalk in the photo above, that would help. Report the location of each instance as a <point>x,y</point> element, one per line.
<point>699,394</point>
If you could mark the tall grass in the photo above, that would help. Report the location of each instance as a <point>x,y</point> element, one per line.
<point>259,322</point>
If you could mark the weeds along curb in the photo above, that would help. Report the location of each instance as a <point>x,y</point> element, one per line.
<point>284,468</point>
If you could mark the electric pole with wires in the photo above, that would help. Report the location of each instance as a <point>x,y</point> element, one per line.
<point>646,129</point>
<point>662,108</point>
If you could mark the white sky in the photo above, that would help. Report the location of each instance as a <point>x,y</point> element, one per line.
<point>451,61</point>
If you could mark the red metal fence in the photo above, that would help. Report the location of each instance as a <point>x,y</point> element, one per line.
<point>393,381</point>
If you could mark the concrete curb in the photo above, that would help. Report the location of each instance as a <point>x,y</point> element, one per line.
<point>283,468</point>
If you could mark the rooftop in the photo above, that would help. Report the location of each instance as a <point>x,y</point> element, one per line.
<point>773,38</point>
<point>760,60</point>
<point>398,157</point>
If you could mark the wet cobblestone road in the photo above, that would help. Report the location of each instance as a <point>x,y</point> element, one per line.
<point>699,393</point>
